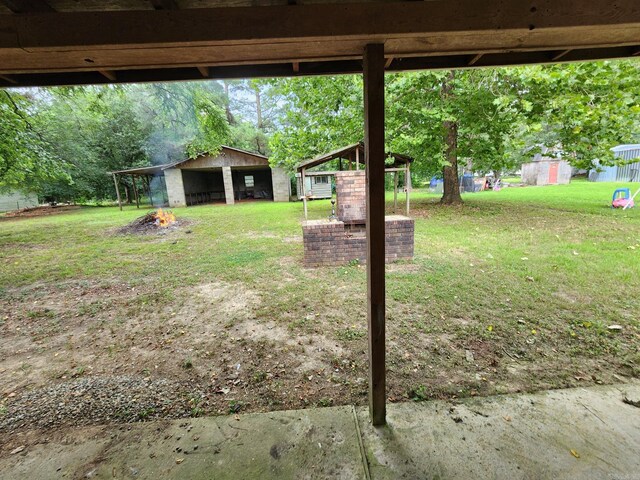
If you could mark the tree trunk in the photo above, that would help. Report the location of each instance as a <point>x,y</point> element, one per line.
<point>258,108</point>
<point>451,183</point>
<point>227,104</point>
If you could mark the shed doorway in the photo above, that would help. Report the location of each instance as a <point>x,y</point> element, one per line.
<point>203,186</point>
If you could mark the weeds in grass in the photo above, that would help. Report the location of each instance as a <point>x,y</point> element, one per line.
<point>146,413</point>
<point>187,364</point>
<point>235,406</point>
<point>419,393</point>
<point>325,402</point>
<point>350,334</point>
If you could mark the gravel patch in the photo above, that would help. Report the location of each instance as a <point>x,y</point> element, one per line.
<point>97,400</point>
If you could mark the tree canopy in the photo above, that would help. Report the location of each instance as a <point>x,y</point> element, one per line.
<point>60,142</point>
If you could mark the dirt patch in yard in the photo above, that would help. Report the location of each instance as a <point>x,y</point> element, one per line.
<point>39,211</point>
<point>66,350</point>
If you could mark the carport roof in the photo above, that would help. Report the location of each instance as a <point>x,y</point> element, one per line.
<point>349,152</point>
<point>159,169</point>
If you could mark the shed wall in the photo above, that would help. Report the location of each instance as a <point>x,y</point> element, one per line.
<point>619,173</point>
<point>281,185</point>
<point>175,187</point>
<point>537,173</point>
<point>16,200</point>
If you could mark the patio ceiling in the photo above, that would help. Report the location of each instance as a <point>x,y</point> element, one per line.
<point>55,42</point>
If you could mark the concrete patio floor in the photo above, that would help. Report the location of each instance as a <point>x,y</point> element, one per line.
<point>586,433</point>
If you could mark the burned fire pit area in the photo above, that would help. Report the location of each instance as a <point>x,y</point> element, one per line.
<point>343,239</point>
<point>158,221</point>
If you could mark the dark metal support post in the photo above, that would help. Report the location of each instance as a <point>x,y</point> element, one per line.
<point>374,160</point>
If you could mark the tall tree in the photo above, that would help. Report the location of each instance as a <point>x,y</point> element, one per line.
<point>451,183</point>
<point>26,162</point>
<point>584,109</point>
<point>321,114</point>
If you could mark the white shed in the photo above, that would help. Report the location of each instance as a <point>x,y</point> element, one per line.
<point>317,184</point>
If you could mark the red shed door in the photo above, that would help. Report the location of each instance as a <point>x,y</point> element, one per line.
<point>553,173</point>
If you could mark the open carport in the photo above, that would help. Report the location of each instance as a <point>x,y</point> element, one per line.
<point>230,176</point>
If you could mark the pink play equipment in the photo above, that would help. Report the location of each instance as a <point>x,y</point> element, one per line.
<point>622,198</point>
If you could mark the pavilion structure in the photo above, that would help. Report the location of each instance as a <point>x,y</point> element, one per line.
<point>63,42</point>
<point>350,158</point>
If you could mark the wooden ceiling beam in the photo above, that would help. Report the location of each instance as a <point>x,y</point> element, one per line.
<point>27,6</point>
<point>437,19</point>
<point>204,71</point>
<point>305,69</point>
<point>310,34</point>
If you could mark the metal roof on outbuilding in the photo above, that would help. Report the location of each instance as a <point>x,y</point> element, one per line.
<point>159,169</point>
<point>349,152</point>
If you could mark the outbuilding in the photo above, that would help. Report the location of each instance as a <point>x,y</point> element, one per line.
<point>230,176</point>
<point>626,170</point>
<point>17,199</point>
<point>546,171</point>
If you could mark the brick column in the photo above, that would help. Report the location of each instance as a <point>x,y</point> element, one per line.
<point>228,185</point>
<point>351,195</point>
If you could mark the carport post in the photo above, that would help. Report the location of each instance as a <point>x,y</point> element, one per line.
<point>227,179</point>
<point>304,192</point>
<point>115,182</point>
<point>407,184</point>
<point>135,190</point>
<point>395,191</point>
<point>374,160</point>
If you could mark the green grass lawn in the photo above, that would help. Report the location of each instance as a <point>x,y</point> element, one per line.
<point>514,290</point>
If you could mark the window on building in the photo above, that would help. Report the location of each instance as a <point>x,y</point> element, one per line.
<point>248,181</point>
<point>320,179</point>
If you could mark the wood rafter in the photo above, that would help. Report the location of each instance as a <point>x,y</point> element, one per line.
<point>27,6</point>
<point>108,74</point>
<point>204,71</point>
<point>558,55</point>
<point>8,79</point>
<point>475,59</point>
